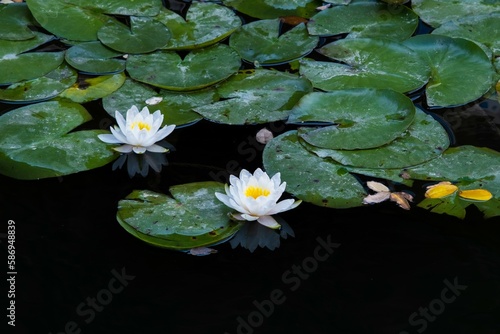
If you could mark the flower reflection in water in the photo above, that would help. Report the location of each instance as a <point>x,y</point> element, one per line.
<point>139,164</point>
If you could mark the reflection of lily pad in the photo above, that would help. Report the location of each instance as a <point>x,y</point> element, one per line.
<point>367,62</point>
<point>270,9</point>
<point>365,19</point>
<point>176,107</point>
<point>460,70</point>
<point>361,118</point>
<point>42,88</point>
<point>257,96</point>
<point>260,42</point>
<point>36,143</point>
<point>191,217</point>
<point>424,140</point>
<point>200,68</point>
<point>94,58</point>
<point>144,35</point>
<point>205,24</point>
<point>94,88</point>
<point>309,177</point>
<point>16,64</point>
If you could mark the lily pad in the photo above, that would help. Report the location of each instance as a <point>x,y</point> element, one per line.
<point>424,140</point>
<point>460,70</point>
<point>478,28</point>
<point>191,217</point>
<point>359,118</point>
<point>256,96</point>
<point>145,34</point>
<point>94,88</point>
<point>366,62</point>
<point>200,68</point>
<point>95,58</point>
<point>365,19</point>
<point>43,88</point>
<point>17,64</point>
<point>437,12</point>
<point>205,24</point>
<point>14,22</point>
<point>271,9</point>
<point>37,142</point>
<point>309,177</point>
<point>176,107</point>
<point>456,206</point>
<point>260,42</point>
<point>466,164</point>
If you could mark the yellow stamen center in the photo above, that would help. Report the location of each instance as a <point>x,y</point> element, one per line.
<point>141,126</point>
<point>255,192</point>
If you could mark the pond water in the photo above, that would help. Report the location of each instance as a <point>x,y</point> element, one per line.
<point>365,270</point>
<point>374,269</point>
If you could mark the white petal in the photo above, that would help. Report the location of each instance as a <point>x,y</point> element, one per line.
<point>120,121</point>
<point>139,149</point>
<point>119,135</point>
<point>156,149</point>
<point>223,198</point>
<point>377,198</point>
<point>123,148</point>
<point>268,221</point>
<point>165,131</point>
<point>376,186</point>
<point>284,205</point>
<point>109,138</point>
<point>249,217</point>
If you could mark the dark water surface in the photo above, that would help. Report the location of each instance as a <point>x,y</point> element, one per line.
<point>377,269</point>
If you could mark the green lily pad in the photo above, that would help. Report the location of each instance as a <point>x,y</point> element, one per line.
<point>176,107</point>
<point>17,64</point>
<point>256,96</point>
<point>365,19</point>
<point>454,205</point>
<point>466,164</point>
<point>66,20</point>
<point>14,22</point>
<point>271,9</point>
<point>191,217</point>
<point>360,118</point>
<point>309,177</point>
<point>460,70</point>
<point>80,20</point>
<point>94,58</point>
<point>366,62</point>
<point>260,42</point>
<point>43,88</point>
<point>424,140</point>
<point>94,88</point>
<point>437,12</point>
<point>200,68</point>
<point>145,34</point>
<point>205,24</point>
<point>478,28</point>
<point>37,142</point>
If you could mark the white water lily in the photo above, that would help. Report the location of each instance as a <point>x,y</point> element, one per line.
<point>139,132</point>
<point>255,197</point>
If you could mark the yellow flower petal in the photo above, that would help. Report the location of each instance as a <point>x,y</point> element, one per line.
<point>476,194</point>
<point>440,190</point>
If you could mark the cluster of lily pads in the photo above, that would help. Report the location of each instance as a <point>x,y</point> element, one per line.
<point>354,80</point>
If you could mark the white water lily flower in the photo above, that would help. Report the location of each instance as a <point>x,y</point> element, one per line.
<point>255,197</point>
<point>139,132</point>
